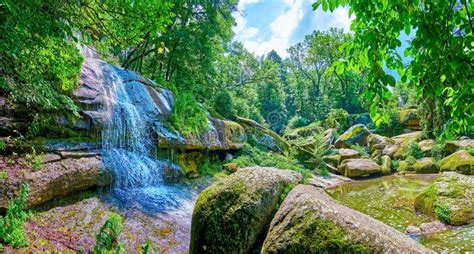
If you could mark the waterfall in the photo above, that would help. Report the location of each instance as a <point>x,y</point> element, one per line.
<point>128,150</point>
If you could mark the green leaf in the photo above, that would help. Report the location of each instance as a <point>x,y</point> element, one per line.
<point>443,78</point>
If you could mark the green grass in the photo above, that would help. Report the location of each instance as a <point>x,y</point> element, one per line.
<point>188,117</point>
<point>12,226</point>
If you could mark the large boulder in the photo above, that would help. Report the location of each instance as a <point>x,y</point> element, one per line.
<point>454,145</point>
<point>424,165</point>
<point>358,167</point>
<point>409,119</point>
<point>356,134</point>
<point>426,146</point>
<point>234,212</point>
<point>407,138</point>
<point>378,142</point>
<point>450,198</point>
<point>55,178</point>
<point>460,161</point>
<point>310,221</point>
<point>386,164</point>
<point>346,153</point>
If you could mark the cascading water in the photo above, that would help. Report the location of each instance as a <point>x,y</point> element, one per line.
<point>126,143</point>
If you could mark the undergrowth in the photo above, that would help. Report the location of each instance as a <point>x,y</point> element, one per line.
<point>414,150</point>
<point>12,226</point>
<point>187,116</point>
<point>107,240</point>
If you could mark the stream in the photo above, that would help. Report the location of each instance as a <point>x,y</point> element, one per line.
<point>391,200</point>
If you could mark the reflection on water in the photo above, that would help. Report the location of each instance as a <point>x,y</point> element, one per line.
<point>391,200</point>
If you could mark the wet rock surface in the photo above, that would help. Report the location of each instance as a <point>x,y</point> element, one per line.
<point>309,221</point>
<point>358,167</point>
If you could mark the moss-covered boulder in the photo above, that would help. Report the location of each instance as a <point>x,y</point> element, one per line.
<point>424,165</point>
<point>426,146</point>
<point>454,145</point>
<point>460,161</point>
<point>409,119</point>
<point>381,141</point>
<point>407,138</point>
<point>356,134</point>
<point>310,221</point>
<point>332,159</point>
<point>450,198</point>
<point>386,164</point>
<point>233,213</point>
<point>346,153</point>
<point>358,167</point>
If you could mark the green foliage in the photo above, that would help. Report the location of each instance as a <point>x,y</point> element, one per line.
<point>146,247</point>
<point>210,168</point>
<point>442,212</point>
<point>337,118</point>
<point>224,105</point>
<point>252,156</point>
<point>362,150</point>
<point>3,175</point>
<point>3,145</point>
<point>296,122</point>
<point>438,151</point>
<point>284,193</point>
<point>470,150</point>
<point>391,126</point>
<point>319,150</point>
<point>414,150</point>
<point>187,116</point>
<point>107,240</point>
<point>410,160</point>
<point>440,54</point>
<point>12,226</point>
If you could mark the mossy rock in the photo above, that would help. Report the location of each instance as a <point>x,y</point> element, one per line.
<point>460,161</point>
<point>233,213</point>
<point>332,159</point>
<point>424,165</point>
<point>358,167</point>
<point>426,146</point>
<point>386,164</point>
<point>454,145</point>
<point>450,199</point>
<point>407,138</point>
<point>409,119</point>
<point>310,221</point>
<point>356,134</point>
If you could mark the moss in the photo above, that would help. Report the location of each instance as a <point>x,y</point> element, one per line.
<point>442,212</point>
<point>315,235</point>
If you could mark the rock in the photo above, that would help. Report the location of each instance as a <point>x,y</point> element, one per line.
<point>228,157</point>
<point>426,146</point>
<point>56,179</point>
<point>232,213</point>
<point>406,139</point>
<point>231,167</point>
<point>450,199</point>
<point>409,119</point>
<point>346,153</point>
<point>310,221</point>
<point>329,181</point>
<point>460,161</point>
<point>424,165</point>
<point>386,166</point>
<point>78,154</point>
<point>189,161</point>
<point>454,145</point>
<point>332,159</point>
<point>356,134</point>
<point>51,157</point>
<point>172,173</point>
<point>432,227</point>
<point>390,150</point>
<point>381,141</point>
<point>358,167</point>
<point>329,136</point>
<point>263,135</point>
<point>413,230</point>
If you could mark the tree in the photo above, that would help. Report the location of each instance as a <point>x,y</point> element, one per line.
<point>441,54</point>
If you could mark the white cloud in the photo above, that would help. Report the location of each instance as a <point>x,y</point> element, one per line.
<point>282,29</point>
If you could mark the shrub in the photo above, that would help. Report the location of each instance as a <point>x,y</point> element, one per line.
<point>107,239</point>
<point>414,150</point>
<point>442,212</point>
<point>224,105</point>
<point>210,168</point>
<point>146,247</point>
<point>3,145</point>
<point>438,152</point>
<point>319,150</point>
<point>3,175</point>
<point>187,116</point>
<point>410,160</point>
<point>295,122</point>
<point>362,150</point>
<point>392,125</point>
<point>12,226</point>
<point>337,118</point>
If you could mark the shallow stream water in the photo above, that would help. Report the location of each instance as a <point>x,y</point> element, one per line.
<point>391,200</point>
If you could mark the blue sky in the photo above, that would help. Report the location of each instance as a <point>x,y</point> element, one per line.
<point>263,25</point>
